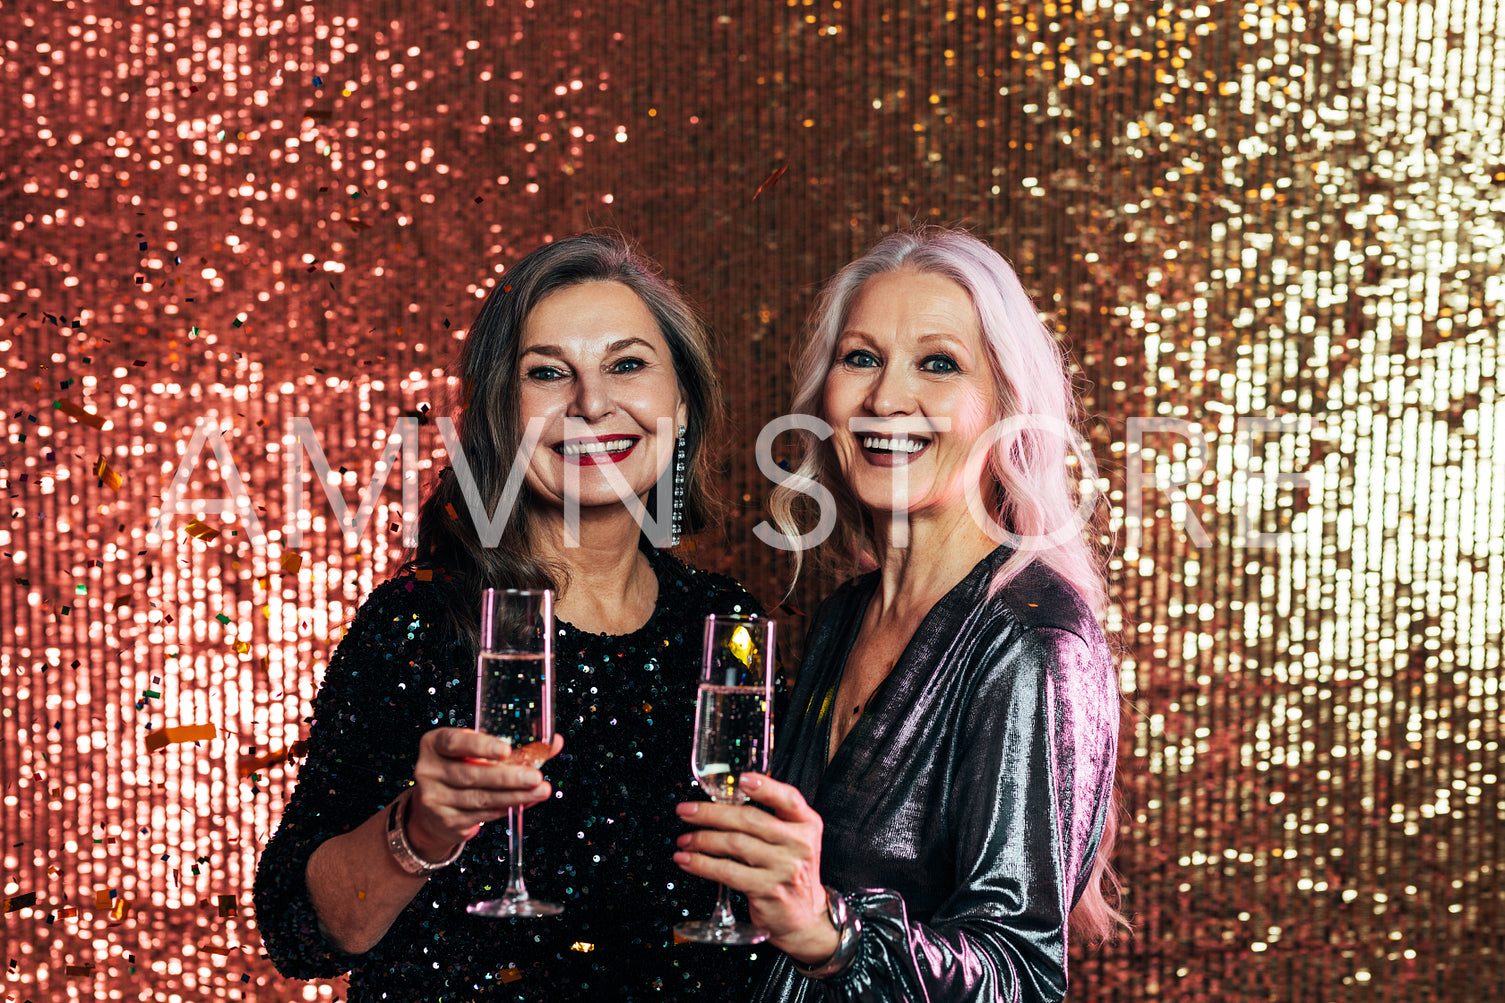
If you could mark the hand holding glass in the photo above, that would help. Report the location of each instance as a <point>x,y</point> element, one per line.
<point>733,735</point>
<point>515,701</point>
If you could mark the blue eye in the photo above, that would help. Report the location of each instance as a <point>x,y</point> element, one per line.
<point>939,364</point>
<point>860,358</point>
<point>627,365</point>
<point>546,374</point>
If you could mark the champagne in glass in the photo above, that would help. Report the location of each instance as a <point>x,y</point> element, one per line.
<point>515,701</point>
<point>733,734</point>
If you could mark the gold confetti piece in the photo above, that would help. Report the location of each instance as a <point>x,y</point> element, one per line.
<point>291,562</point>
<point>201,529</point>
<point>20,901</point>
<point>509,975</point>
<point>107,474</point>
<point>227,906</point>
<point>78,413</point>
<point>163,737</point>
<point>582,947</point>
<point>102,898</point>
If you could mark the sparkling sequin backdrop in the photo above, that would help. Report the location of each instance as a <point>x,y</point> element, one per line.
<point>1274,228</point>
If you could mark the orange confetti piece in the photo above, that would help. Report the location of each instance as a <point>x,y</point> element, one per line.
<point>163,737</point>
<point>424,576</point>
<point>78,413</point>
<point>106,473</point>
<point>292,562</point>
<point>771,180</point>
<point>452,513</point>
<point>201,529</point>
<point>102,897</point>
<point>509,975</point>
<point>249,763</point>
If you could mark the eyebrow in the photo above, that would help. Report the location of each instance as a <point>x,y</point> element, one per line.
<point>615,346</point>
<point>933,336</point>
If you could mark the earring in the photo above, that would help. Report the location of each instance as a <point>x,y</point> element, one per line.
<point>678,525</point>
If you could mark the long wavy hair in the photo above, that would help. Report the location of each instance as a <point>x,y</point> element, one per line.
<point>490,427</point>
<point>1031,480</point>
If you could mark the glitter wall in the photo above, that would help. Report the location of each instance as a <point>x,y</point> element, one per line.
<point>1270,233</point>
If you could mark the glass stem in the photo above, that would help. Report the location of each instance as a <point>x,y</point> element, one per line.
<point>515,887</point>
<point>723,917</point>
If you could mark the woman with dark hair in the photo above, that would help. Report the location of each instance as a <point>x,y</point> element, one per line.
<point>946,814</point>
<point>587,394</point>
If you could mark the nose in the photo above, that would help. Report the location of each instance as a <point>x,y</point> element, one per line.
<point>592,400</point>
<point>890,393</point>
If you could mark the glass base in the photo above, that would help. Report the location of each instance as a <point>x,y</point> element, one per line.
<point>708,932</point>
<point>522,908</point>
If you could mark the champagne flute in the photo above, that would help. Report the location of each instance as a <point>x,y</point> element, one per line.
<point>733,735</point>
<point>515,701</point>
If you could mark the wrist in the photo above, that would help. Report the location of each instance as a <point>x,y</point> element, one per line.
<point>848,929</point>
<point>415,856</point>
<point>420,837</point>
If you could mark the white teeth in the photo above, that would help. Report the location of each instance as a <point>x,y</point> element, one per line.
<point>894,445</point>
<point>595,448</point>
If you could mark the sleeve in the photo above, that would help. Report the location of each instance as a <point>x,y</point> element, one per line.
<point>1027,802</point>
<point>359,759</point>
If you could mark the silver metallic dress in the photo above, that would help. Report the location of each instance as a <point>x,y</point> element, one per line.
<point>963,810</point>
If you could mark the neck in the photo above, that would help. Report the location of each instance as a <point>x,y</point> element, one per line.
<point>611,587</point>
<point>943,547</point>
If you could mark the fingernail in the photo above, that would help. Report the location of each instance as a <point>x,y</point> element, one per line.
<point>751,781</point>
<point>681,858</point>
<point>683,840</point>
<point>687,809</point>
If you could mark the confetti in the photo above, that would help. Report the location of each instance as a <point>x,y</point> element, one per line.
<point>201,530</point>
<point>771,180</point>
<point>107,476</point>
<point>20,901</point>
<point>78,413</point>
<point>163,737</point>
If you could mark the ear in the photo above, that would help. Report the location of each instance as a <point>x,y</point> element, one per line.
<point>682,415</point>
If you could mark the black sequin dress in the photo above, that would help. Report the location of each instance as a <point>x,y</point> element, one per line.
<point>602,845</point>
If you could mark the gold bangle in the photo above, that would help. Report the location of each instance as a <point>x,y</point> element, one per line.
<point>402,851</point>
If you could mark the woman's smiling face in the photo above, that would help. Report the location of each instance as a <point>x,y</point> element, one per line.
<point>910,371</point>
<point>596,369</point>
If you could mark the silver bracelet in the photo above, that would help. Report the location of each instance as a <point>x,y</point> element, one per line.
<point>402,851</point>
<point>849,931</point>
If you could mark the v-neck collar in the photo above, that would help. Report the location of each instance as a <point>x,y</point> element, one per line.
<point>864,590</point>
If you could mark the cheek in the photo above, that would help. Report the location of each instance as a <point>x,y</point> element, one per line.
<point>841,399</point>
<point>535,402</point>
<point>974,409</point>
